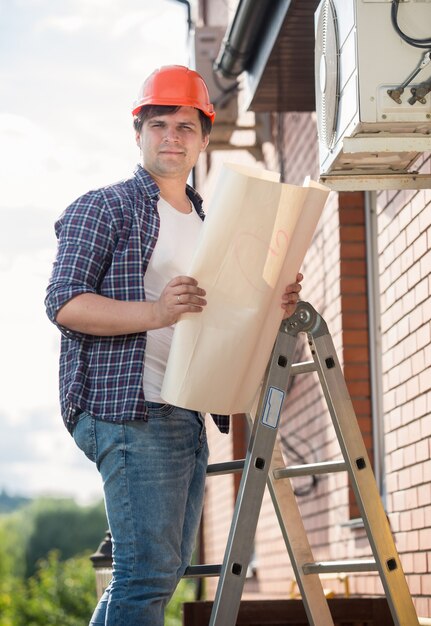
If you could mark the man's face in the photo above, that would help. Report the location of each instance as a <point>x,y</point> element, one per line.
<point>171,144</point>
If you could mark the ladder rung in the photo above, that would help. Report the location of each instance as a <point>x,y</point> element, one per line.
<point>202,571</point>
<point>302,368</point>
<point>334,567</point>
<point>327,467</point>
<point>227,467</point>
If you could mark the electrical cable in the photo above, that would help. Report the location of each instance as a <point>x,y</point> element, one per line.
<point>300,459</point>
<point>226,93</point>
<point>417,43</point>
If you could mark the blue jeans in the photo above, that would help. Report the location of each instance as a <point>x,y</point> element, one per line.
<point>153,477</point>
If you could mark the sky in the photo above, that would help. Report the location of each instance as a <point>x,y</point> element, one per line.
<point>69,73</point>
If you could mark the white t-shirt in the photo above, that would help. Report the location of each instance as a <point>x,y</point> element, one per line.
<point>178,235</point>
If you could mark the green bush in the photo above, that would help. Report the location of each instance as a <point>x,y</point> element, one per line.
<point>46,577</point>
<point>43,581</point>
<point>185,592</point>
<point>60,592</point>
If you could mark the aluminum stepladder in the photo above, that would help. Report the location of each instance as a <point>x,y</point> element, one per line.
<point>264,465</point>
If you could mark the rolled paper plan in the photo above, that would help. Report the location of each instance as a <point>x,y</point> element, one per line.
<point>251,247</point>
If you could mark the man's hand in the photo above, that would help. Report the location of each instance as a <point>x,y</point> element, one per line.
<point>93,314</point>
<point>181,295</point>
<point>290,297</point>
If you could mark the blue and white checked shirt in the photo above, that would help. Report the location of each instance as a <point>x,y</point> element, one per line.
<point>105,241</point>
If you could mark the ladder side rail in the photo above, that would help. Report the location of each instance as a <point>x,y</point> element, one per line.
<point>253,482</point>
<point>297,545</point>
<point>362,478</point>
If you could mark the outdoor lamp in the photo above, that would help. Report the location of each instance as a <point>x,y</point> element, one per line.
<point>102,563</point>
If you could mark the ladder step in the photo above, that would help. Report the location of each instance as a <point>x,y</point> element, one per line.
<point>227,467</point>
<point>202,571</point>
<point>303,368</point>
<point>335,567</point>
<point>327,467</point>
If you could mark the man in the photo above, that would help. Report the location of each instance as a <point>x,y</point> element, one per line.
<point>117,288</point>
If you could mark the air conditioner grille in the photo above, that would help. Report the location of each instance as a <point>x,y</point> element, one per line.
<point>327,70</point>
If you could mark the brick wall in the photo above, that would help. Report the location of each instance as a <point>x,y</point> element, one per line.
<point>335,284</point>
<point>404,236</point>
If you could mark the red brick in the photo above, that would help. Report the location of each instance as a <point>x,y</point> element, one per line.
<point>355,321</point>
<point>359,354</point>
<point>356,303</point>
<point>349,285</point>
<point>352,250</point>
<point>355,337</point>
<point>351,234</point>
<point>359,388</point>
<point>351,200</point>
<point>354,267</point>
<point>356,370</point>
<point>362,406</point>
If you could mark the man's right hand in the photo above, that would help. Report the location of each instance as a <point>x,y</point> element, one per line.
<point>181,295</point>
<point>94,314</point>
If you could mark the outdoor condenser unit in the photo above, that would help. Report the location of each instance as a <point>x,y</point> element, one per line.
<point>373,89</point>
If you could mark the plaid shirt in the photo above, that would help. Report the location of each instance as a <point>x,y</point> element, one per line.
<point>105,241</point>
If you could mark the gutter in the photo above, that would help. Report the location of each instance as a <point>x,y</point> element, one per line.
<point>240,42</point>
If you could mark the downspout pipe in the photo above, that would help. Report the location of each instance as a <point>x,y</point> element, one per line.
<point>192,180</point>
<point>240,41</point>
<point>375,339</point>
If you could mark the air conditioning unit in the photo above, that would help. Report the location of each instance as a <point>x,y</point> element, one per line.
<point>374,114</point>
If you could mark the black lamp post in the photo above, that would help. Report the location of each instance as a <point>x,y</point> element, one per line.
<point>102,563</point>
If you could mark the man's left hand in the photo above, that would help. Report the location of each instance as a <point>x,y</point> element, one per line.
<point>290,297</point>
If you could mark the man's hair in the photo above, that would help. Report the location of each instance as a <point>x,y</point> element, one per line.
<point>152,110</point>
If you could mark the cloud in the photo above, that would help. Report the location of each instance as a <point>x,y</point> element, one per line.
<point>25,231</point>
<point>63,23</point>
<point>41,166</point>
<point>27,152</point>
<point>39,457</point>
<point>111,18</point>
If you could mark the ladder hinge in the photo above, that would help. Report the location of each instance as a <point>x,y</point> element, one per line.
<point>305,320</point>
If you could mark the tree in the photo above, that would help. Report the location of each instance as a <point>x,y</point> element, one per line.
<point>11,503</point>
<point>64,526</point>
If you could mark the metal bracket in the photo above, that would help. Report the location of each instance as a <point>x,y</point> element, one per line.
<point>375,182</point>
<point>305,320</point>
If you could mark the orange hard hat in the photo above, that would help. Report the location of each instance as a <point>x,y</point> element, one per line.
<point>175,85</point>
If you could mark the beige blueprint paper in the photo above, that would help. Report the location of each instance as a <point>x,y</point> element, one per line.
<point>253,242</point>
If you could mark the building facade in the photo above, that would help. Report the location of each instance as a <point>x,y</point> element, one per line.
<point>367,273</point>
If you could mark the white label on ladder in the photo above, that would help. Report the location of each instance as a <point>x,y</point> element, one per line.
<point>273,405</point>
